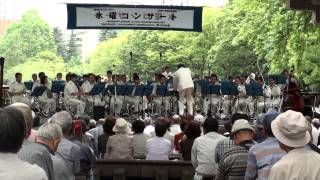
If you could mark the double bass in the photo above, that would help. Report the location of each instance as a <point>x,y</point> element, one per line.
<point>292,97</point>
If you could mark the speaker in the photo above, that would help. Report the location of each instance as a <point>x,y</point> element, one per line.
<point>98,112</point>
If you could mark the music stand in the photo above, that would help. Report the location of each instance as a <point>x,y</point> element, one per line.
<point>230,89</point>
<point>139,91</point>
<point>161,92</point>
<point>28,85</point>
<point>97,89</point>
<point>206,90</point>
<point>38,91</point>
<point>111,90</point>
<point>254,89</point>
<point>57,87</point>
<point>148,92</point>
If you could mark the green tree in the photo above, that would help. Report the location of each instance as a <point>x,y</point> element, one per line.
<point>45,61</point>
<point>26,38</point>
<point>107,34</point>
<point>73,51</point>
<point>60,42</point>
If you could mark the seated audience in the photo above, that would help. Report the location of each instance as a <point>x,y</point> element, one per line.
<point>175,124</point>
<point>192,132</point>
<point>227,143</point>
<point>31,152</point>
<point>88,138</point>
<point>96,132</point>
<point>168,135</point>
<point>178,137</point>
<point>158,148</point>
<point>149,129</point>
<point>13,130</point>
<point>119,146</point>
<point>103,139</point>
<point>291,130</point>
<point>234,162</point>
<point>264,155</point>
<point>67,150</point>
<point>87,157</point>
<point>202,153</point>
<point>49,135</point>
<point>139,139</point>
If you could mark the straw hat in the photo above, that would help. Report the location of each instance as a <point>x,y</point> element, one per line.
<point>121,126</point>
<point>241,124</point>
<point>291,129</point>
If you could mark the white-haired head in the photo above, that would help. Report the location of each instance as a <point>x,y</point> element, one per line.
<point>64,120</point>
<point>50,132</point>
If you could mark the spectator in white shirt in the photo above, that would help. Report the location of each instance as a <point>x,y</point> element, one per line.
<point>158,148</point>
<point>12,134</point>
<point>139,140</point>
<point>203,150</point>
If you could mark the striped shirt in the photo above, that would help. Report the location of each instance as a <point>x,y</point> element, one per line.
<point>261,158</point>
<point>222,147</point>
<point>234,162</point>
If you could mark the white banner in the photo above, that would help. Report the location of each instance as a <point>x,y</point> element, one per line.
<point>126,17</point>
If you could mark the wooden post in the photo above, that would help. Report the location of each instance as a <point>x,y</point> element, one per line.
<point>315,2</point>
<point>316,16</point>
<point>1,80</point>
<point>299,4</point>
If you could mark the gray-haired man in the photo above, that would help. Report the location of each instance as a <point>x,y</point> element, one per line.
<point>67,150</point>
<point>49,135</point>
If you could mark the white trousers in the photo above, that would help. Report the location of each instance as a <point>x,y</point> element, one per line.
<point>158,103</point>
<point>77,104</point>
<point>241,105</point>
<point>133,101</point>
<point>116,104</point>
<point>185,96</point>
<point>214,101</point>
<point>48,105</point>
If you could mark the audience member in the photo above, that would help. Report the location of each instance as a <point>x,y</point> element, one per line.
<point>290,129</point>
<point>259,135</point>
<point>87,157</point>
<point>234,162</point>
<point>96,132</point>
<point>178,137</point>
<point>103,139</point>
<point>31,152</point>
<point>13,130</point>
<point>264,155</point>
<point>87,138</point>
<point>227,143</point>
<point>175,125</point>
<point>139,139</point>
<point>149,129</point>
<point>203,150</point>
<point>119,146</point>
<point>192,132</point>
<point>67,150</point>
<point>49,135</point>
<point>158,148</point>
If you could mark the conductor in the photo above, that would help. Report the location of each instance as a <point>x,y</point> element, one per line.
<point>182,82</point>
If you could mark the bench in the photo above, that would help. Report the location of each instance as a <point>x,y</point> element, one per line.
<point>143,169</point>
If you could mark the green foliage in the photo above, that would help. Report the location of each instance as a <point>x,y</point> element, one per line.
<point>60,43</point>
<point>26,38</point>
<point>45,61</point>
<point>106,56</point>
<point>107,34</point>
<point>73,51</point>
